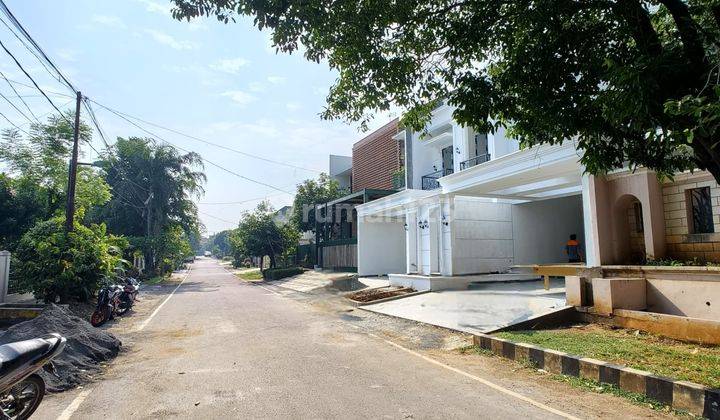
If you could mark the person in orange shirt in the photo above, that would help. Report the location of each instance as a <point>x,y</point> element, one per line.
<point>572,249</point>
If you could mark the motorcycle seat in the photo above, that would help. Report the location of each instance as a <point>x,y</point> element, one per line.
<point>14,355</point>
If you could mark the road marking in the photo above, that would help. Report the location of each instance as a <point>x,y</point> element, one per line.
<point>152,315</point>
<point>74,405</point>
<point>471,376</point>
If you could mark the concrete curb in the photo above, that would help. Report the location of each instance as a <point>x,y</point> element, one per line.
<point>681,395</point>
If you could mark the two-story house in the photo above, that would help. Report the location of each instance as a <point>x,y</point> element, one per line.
<point>474,203</point>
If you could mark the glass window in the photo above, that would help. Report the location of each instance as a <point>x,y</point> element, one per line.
<point>700,210</point>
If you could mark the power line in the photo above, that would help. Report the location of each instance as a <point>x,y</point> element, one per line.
<point>25,33</point>
<point>238,202</point>
<point>212,143</point>
<point>49,92</point>
<point>18,95</point>
<point>34,83</point>
<point>218,218</point>
<point>13,124</point>
<point>16,108</point>
<point>186,150</point>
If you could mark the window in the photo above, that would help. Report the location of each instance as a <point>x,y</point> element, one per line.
<point>637,209</point>
<point>700,210</point>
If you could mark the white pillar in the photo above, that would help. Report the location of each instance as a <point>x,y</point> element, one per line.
<point>4,274</point>
<point>592,249</point>
<point>411,244</point>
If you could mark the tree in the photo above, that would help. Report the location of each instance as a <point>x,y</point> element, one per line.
<point>219,244</point>
<point>628,80</point>
<point>33,187</point>
<point>152,186</point>
<point>59,266</point>
<point>309,193</point>
<point>258,235</point>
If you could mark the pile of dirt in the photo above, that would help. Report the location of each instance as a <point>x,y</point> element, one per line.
<point>86,347</point>
<point>379,293</point>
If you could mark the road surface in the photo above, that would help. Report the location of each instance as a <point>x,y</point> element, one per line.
<point>222,348</point>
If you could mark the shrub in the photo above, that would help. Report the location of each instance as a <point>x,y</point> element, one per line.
<point>281,273</point>
<point>59,266</point>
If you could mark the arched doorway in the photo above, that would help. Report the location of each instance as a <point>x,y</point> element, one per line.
<point>629,241</point>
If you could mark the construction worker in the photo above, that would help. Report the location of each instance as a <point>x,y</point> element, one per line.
<point>572,249</point>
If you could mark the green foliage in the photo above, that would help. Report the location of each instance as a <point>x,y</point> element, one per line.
<point>60,266</point>
<point>281,273</point>
<point>258,235</point>
<point>219,244</point>
<point>628,80</point>
<point>33,187</point>
<point>152,189</point>
<point>309,193</point>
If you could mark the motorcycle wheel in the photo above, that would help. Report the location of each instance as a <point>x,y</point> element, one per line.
<point>98,318</point>
<point>24,398</point>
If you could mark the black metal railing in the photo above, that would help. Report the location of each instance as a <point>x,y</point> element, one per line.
<point>430,181</point>
<point>474,161</point>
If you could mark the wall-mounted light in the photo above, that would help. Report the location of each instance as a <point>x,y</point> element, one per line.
<point>457,150</point>
<point>406,227</point>
<point>445,221</point>
<point>434,168</point>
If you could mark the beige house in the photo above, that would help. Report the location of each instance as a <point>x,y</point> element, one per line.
<point>638,217</point>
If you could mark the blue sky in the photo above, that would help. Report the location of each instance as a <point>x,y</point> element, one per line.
<point>219,82</point>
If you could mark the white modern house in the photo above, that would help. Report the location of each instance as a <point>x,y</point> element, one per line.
<point>474,203</point>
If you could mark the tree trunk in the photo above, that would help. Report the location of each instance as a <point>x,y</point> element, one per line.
<point>708,158</point>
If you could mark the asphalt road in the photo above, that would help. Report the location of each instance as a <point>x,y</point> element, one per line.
<point>221,348</point>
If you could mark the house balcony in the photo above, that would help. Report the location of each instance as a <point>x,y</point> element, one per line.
<point>430,181</point>
<point>475,161</point>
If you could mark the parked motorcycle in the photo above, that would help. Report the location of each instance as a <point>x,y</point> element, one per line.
<point>129,293</point>
<point>21,388</point>
<point>107,304</point>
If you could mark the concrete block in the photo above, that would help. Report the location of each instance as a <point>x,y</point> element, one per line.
<point>659,388</point>
<point>574,290</point>
<point>610,374</point>
<point>689,396</point>
<point>522,352</point>
<point>590,368</point>
<point>496,346</point>
<point>632,380</point>
<point>571,365</point>
<point>618,293</point>
<point>553,361</point>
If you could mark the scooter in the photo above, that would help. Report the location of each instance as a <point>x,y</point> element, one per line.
<point>128,294</point>
<point>107,304</point>
<point>21,388</point>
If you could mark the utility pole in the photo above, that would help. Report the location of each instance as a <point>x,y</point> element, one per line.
<point>72,173</point>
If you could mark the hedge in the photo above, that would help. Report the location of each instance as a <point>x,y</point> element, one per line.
<point>281,273</point>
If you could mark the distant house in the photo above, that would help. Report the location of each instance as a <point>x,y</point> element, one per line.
<point>340,169</point>
<point>282,216</point>
<point>367,175</point>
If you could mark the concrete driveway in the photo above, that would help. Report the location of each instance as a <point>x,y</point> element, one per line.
<point>485,308</point>
<point>221,348</point>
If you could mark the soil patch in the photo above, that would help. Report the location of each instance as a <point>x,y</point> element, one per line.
<point>379,293</point>
<point>87,347</point>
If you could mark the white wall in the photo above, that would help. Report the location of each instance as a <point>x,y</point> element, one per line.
<point>499,145</point>
<point>381,247</point>
<point>483,236</point>
<point>541,229</point>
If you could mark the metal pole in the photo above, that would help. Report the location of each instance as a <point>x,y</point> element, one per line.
<point>72,173</point>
